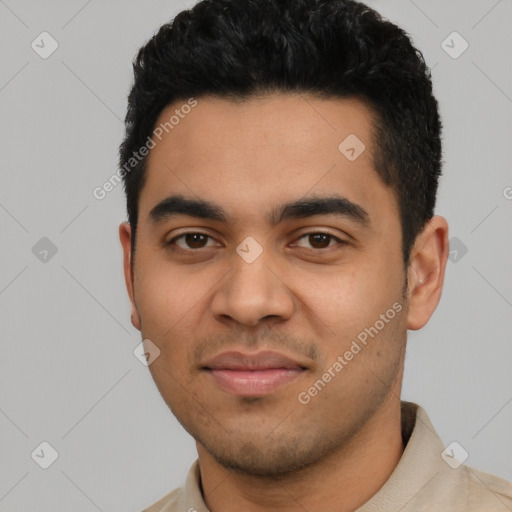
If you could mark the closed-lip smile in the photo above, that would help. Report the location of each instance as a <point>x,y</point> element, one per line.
<point>252,374</point>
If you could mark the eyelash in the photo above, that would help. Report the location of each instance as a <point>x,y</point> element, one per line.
<point>171,242</point>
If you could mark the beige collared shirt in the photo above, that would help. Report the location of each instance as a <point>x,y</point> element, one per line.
<point>422,481</point>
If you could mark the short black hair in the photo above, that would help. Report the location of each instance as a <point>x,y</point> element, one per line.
<point>237,49</point>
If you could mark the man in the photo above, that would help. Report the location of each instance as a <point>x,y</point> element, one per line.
<point>281,163</point>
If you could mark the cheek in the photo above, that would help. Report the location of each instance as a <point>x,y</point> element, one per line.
<point>167,299</point>
<point>165,295</point>
<point>171,302</point>
<point>351,296</point>
<point>352,305</point>
<point>338,300</point>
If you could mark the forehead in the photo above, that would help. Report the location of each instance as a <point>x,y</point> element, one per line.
<point>251,155</point>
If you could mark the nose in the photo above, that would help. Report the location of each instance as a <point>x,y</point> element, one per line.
<point>251,292</point>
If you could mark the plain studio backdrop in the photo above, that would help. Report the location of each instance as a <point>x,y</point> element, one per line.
<point>68,374</point>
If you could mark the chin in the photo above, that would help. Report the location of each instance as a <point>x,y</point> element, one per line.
<point>264,459</point>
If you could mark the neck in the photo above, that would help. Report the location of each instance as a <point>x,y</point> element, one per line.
<point>343,481</point>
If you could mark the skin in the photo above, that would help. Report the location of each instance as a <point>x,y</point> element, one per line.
<point>304,298</point>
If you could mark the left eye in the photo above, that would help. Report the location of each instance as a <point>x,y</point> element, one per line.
<point>321,239</point>
<point>196,240</point>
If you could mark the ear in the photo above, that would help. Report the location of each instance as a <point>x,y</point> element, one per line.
<point>125,235</point>
<point>426,272</point>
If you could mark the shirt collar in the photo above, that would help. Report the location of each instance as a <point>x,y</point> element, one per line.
<point>421,463</point>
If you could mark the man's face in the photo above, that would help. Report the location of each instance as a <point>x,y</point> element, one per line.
<point>319,282</point>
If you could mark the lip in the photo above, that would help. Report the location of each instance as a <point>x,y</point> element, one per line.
<point>252,374</point>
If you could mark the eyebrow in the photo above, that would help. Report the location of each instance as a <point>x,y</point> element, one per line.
<point>178,205</point>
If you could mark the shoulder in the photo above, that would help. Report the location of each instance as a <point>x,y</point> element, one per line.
<point>487,492</point>
<point>169,503</point>
<point>183,499</point>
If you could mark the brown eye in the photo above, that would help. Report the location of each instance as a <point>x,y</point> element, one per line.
<point>191,240</point>
<point>320,240</point>
<point>195,240</point>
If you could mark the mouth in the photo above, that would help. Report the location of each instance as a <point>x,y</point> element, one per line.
<point>252,375</point>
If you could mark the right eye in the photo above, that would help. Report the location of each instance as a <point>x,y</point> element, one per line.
<point>193,241</point>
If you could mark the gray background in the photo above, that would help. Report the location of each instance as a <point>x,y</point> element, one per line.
<point>68,375</point>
